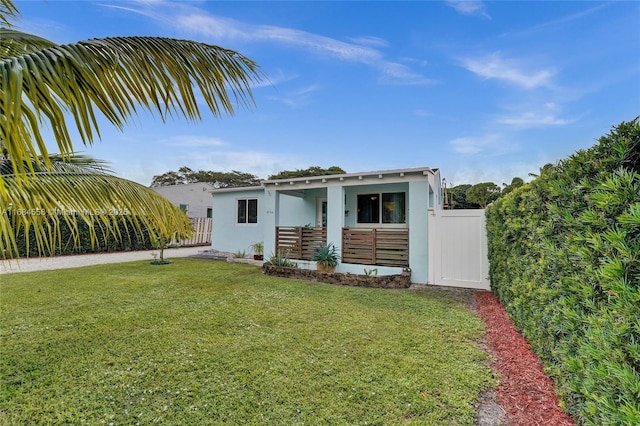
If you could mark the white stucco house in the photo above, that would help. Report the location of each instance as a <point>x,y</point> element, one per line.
<point>192,198</point>
<point>378,219</point>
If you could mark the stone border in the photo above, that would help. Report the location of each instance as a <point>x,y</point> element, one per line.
<point>384,281</point>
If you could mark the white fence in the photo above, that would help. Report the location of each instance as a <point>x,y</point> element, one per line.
<point>458,249</point>
<point>201,232</point>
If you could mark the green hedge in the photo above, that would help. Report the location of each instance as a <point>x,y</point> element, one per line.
<point>128,240</point>
<point>564,254</point>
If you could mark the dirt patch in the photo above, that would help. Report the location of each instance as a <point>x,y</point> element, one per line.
<point>525,393</point>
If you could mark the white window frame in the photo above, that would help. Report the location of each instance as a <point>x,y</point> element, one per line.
<point>246,212</point>
<point>380,224</point>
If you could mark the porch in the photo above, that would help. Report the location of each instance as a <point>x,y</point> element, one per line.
<point>363,246</point>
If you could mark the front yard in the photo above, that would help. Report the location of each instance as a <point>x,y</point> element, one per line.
<point>206,342</point>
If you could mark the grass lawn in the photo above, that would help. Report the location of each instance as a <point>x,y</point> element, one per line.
<point>204,342</point>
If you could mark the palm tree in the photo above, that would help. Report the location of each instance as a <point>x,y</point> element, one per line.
<point>44,83</point>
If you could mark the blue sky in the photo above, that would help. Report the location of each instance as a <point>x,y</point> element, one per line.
<point>484,91</point>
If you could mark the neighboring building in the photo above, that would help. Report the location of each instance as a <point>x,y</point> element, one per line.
<point>192,198</point>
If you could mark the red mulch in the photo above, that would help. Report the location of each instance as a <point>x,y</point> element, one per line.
<point>525,392</point>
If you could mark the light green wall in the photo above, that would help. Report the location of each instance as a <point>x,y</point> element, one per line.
<point>229,236</point>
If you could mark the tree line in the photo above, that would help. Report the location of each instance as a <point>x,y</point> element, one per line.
<point>234,178</point>
<point>465,196</point>
<point>478,196</point>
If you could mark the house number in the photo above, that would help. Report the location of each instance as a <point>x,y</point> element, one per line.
<point>269,211</point>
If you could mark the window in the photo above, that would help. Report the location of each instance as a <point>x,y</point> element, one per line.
<point>184,207</point>
<point>209,212</point>
<point>248,211</point>
<point>385,208</point>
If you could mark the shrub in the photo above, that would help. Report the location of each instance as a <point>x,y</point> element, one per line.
<point>564,254</point>
<point>281,259</point>
<point>326,255</point>
<point>128,239</point>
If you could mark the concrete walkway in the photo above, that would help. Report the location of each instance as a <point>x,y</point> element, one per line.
<point>76,261</point>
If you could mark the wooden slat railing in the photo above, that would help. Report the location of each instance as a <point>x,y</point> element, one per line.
<point>376,246</point>
<point>299,242</point>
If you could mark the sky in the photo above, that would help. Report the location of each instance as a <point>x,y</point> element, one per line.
<point>483,91</point>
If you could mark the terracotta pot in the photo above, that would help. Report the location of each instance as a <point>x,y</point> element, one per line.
<point>323,268</point>
<point>257,257</point>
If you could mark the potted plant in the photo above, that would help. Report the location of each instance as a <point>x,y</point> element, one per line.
<point>258,249</point>
<point>326,257</point>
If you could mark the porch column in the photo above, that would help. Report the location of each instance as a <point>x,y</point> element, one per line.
<point>418,221</point>
<point>271,220</point>
<point>335,216</point>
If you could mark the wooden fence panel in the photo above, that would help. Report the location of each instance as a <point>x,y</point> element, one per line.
<point>376,246</point>
<point>299,242</point>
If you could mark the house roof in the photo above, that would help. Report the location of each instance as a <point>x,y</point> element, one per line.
<point>237,189</point>
<point>316,181</point>
<point>380,174</point>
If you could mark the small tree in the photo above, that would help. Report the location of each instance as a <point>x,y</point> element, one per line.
<point>516,182</point>
<point>483,193</point>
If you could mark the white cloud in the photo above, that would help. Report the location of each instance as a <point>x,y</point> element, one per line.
<point>512,71</point>
<point>361,50</point>
<point>401,74</point>
<point>469,7</point>
<point>562,21</point>
<point>187,141</point>
<point>545,115</point>
<point>498,174</point>
<point>261,164</point>
<point>422,113</point>
<point>370,41</point>
<point>534,119</point>
<point>297,97</point>
<point>490,144</point>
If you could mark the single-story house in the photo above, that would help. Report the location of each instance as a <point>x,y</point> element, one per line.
<point>377,219</point>
<point>192,198</point>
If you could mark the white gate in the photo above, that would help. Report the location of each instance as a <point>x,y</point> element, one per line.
<point>458,249</point>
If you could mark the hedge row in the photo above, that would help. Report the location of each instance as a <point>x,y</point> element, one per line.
<point>564,253</point>
<point>128,240</point>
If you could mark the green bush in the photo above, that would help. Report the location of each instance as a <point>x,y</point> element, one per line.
<point>128,239</point>
<point>564,253</point>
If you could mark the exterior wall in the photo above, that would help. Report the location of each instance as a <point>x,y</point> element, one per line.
<point>418,223</point>
<point>282,209</point>
<point>351,195</point>
<point>227,234</point>
<point>196,195</point>
<point>298,211</point>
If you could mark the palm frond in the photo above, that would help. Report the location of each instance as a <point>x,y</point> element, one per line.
<point>16,43</point>
<point>77,163</point>
<point>102,201</point>
<point>113,76</point>
<point>8,11</point>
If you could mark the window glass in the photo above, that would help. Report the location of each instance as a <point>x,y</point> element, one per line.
<point>252,211</point>
<point>247,211</point>
<point>369,208</point>
<point>393,208</point>
<point>184,207</point>
<point>209,212</point>
<point>242,211</point>
<point>379,208</point>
